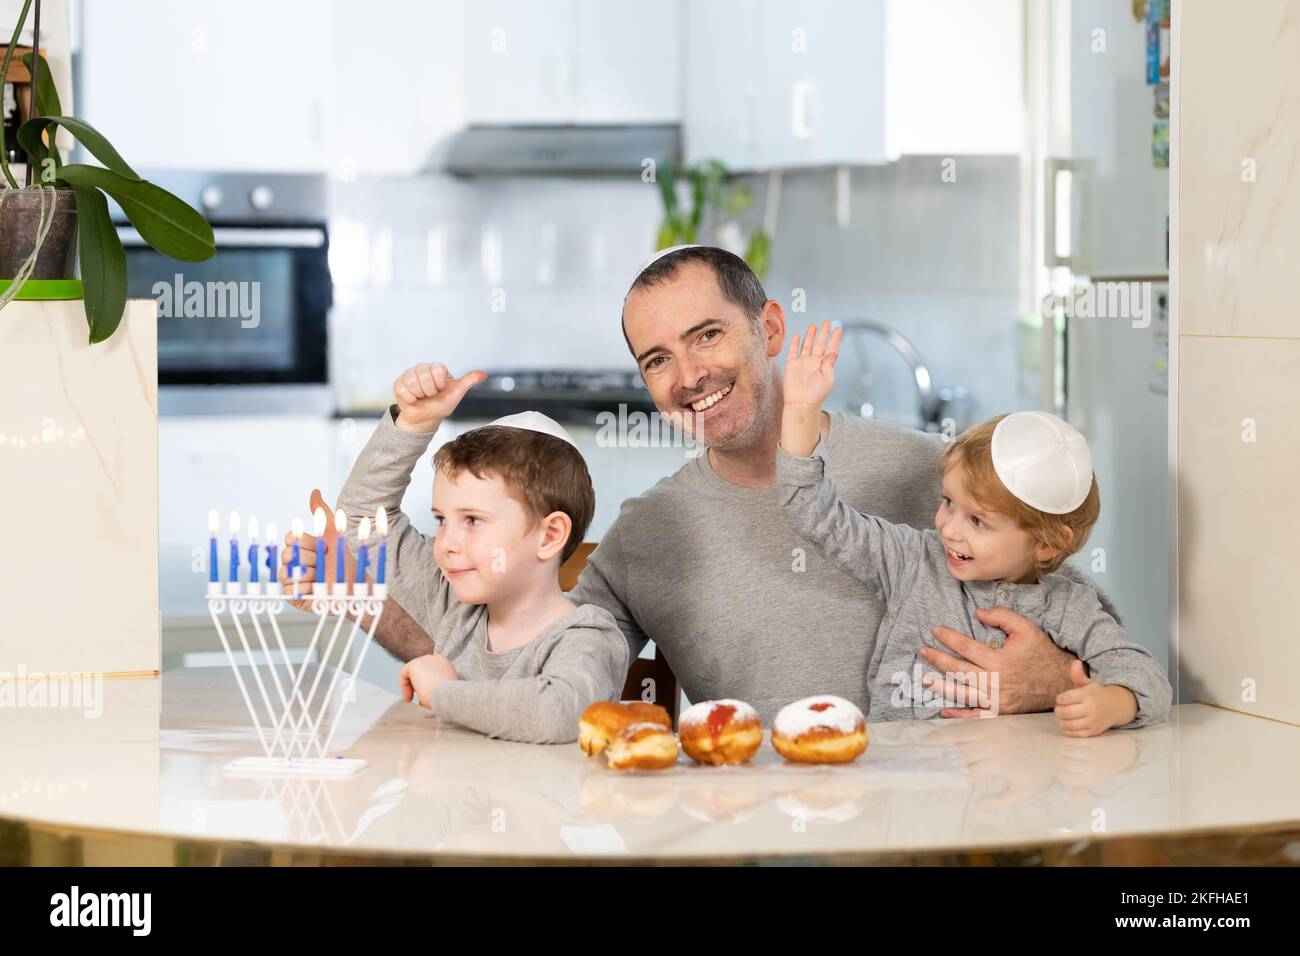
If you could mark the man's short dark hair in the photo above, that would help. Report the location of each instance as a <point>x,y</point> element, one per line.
<point>735,278</point>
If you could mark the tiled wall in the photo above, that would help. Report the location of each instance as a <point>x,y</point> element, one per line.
<point>419,260</point>
<point>1238,237</point>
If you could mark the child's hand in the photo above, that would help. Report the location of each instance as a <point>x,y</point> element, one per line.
<point>421,675</point>
<point>809,377</point>
<point>427,393</point>
<point>1089,708</point>
<point>810,366</point>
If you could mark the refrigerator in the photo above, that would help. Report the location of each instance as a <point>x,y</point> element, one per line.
<point>1103,228</point>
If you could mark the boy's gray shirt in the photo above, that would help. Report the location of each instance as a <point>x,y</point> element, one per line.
<point>907,568</point>
<point>533,693</point>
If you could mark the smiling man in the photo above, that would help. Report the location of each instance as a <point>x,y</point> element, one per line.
<point>705,564</point>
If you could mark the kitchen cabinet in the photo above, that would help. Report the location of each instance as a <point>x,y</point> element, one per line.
<point>293,86</point>
<point>815,83</point>
<point>238,85</point>
<point>572,61</point>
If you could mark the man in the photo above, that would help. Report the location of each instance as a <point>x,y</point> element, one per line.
<point>704,562</point>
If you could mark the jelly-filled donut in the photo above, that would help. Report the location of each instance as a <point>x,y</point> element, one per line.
<point>643,746</point>
<point>720,732</point>
<point>823,729</point>
<point>603,720</point>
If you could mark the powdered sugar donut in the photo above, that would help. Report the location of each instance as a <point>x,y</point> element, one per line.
<point>720,731</point>
<point>821,729</point>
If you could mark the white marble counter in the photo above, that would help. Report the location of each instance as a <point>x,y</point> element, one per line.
<point>151,763</point>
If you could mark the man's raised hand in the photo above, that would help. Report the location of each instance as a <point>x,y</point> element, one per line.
<point>427,393</point>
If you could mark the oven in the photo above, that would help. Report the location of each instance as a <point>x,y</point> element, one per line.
<point>256,313</point>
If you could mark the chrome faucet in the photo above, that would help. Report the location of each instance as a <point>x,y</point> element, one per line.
<point>934,405</point>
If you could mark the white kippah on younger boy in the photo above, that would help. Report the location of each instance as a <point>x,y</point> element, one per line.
<point>534,422</point>
<point>1043,461</point>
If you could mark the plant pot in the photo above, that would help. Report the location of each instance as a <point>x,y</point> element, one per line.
<point>20,216</point>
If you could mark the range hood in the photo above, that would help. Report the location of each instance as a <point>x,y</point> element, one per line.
<point>558,150</point>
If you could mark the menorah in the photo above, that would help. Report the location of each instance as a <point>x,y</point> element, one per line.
<point>293,707</point>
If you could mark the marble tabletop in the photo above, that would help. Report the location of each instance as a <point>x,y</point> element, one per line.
<point>149,766</point>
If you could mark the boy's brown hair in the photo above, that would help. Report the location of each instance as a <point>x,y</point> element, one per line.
<point>1066,533</point>
<point>541,472</point>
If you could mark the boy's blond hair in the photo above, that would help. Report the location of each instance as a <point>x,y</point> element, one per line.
<point>1065,534</point>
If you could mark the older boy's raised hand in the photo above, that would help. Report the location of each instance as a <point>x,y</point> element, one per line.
<point>427,393</point>
<point>809,378</point>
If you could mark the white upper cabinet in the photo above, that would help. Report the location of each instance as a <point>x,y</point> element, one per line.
<point>340,86</point>
<point>819,82</point>
<point>237,85</point>
<point>572,61</point>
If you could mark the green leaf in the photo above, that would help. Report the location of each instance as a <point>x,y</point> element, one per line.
<point>103,264</point>
<point>759,254</point>
<point>667,180</point>
<point>29,136</point>
<point>47,97</point>
<point>163,221</point>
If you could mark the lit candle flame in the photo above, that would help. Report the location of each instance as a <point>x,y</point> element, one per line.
<point>253,528</point>
<point>297,527</point>
<point>340,521</point>
<point>318,522</point>
<point>234,523</point>
<point>363,530</point>
<point>214,522</point>
<point>270,533</point>
<point>381,521</point>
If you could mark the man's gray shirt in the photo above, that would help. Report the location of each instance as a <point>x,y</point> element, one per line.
<point>737,601</point>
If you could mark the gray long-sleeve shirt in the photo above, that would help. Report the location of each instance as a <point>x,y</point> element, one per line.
<point>533,693</point>
<point>907,568</point>
<point>715,576</point>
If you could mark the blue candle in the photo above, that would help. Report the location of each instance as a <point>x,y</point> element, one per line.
<point>214,522</point>
<point>381,564</point>
<point>234,547</point>
<point>340,544</point>
<point>272,554</point>
<point>318,526</point>
<point>253,532</point>
<point>363,551</point>
<point>295,556</point>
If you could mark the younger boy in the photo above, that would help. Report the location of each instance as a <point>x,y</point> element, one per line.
<point>1019,497</point>
<point>512,656</point>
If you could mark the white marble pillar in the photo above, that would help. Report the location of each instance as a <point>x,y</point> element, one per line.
<point>1236,251</point>
<point>78,491</point>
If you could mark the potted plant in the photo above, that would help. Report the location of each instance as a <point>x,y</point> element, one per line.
<point>710,190</point>
<point>67,204</point>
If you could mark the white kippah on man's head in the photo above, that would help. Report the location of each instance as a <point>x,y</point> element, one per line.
<point>534,422</point>
<point>1043,461</point>
<point>664,252</point>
